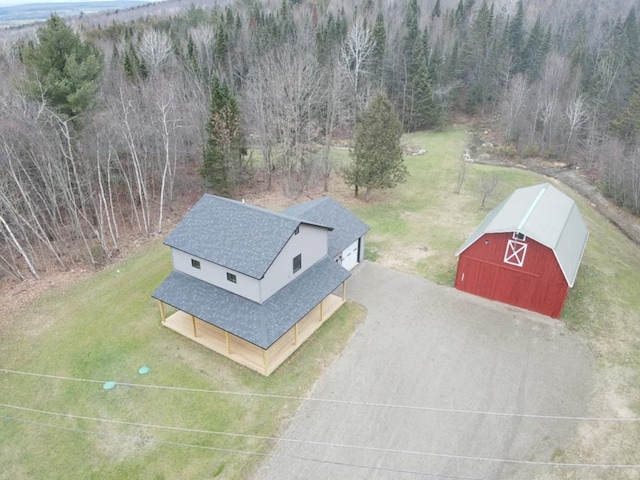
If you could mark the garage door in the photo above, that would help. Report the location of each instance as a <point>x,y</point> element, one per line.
<point>350,256</point>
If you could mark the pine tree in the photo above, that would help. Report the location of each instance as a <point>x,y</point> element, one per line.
<point>437,10</point>
<point>380,38</point>
<point>516,39</point>
<point>423,112</point>
<point>134,66</point>
<point>377,156</point>
<point>412,29</point>
<point>62,68</point>
<point>224,148</point>
<point>479,72</point>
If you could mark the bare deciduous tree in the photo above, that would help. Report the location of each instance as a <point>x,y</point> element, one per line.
<point>354,55</point>
<point>577,115</point>
<point>155,48</point>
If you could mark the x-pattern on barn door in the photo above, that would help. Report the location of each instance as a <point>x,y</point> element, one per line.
<point>515,253</point>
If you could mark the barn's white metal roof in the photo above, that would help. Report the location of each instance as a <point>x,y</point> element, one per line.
<point>545,214</point>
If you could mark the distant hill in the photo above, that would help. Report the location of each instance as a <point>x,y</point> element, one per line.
<point>35,12</point>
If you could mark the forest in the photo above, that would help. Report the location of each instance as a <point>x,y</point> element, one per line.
<point>105,124</point>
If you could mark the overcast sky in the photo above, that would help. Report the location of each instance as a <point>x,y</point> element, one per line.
<point>10,3</point>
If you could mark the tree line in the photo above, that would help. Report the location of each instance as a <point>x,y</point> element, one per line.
<point>102,127</point>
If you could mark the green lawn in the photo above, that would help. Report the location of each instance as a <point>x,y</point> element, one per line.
<point>106,328</point>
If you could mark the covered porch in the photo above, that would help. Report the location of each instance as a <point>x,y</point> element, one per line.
<point>263,361</point>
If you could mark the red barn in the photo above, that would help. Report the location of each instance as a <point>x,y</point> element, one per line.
<point>526,252</point>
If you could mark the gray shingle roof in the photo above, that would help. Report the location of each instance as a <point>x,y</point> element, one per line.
<point>263,324</point>
<point>545,214</point>
<point>238,236</point>
<point>347,228</point>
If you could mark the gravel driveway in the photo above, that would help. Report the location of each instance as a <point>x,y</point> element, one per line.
<point>423,351</point>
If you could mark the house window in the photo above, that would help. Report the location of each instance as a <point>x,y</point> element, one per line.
<point>297,230</point>
<point>232,278</point>
<point>297,262</point>
<point>519,236</point>
<point>515,253</point>
<point>195,263</point>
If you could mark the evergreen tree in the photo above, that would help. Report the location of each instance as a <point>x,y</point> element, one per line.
<point>479,71</point>
<point>516,35</point>
<point>224,148</point>
<point>426,45</point>
<point>437,10</point>
<point>627,124</point>
<point>134,66</point>
<point>412,29</point>
<point>62,68</point>
<point>535,51</point>
<point>222,46</point>
<point>423,112</point>
<point>380,38</point>
<point>377,156</point>
<point>436,63</point>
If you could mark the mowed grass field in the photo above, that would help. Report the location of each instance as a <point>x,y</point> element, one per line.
<point>108,326</point>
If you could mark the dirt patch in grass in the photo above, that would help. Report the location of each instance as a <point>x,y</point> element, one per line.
<point>404,258</point>
<point>117,443</point>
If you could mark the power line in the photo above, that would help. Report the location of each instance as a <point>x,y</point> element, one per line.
<point>241,452</point>
<point>336,401</point>
<point>325,444</point>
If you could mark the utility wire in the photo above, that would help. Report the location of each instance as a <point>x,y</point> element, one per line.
<point>336,401</point>
<point>325,444</point>
<point>241,452</point>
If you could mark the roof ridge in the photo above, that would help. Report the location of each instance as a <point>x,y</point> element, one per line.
<point>532,207</point>
<point>266,210</point>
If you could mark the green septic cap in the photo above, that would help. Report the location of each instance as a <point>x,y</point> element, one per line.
<point>143,370</point>
<point>109,385</point>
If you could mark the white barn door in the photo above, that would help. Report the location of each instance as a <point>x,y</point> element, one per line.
<point>350,256</point>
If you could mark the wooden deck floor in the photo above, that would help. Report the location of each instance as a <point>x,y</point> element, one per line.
<point>245,353</point>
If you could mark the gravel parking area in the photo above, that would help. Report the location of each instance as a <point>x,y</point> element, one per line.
<point>416,392</point>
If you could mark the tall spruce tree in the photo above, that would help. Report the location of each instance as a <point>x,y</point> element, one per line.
<point>377,155</point>
<point>422,112</point>
<point>516,35</point>
<point>437,10</point>
<point>224,148</point>
<point>377,62</point>
<point>62,68</point>
<point>412,30</point>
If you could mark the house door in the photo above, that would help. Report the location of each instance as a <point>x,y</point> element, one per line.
<point>350,256</point>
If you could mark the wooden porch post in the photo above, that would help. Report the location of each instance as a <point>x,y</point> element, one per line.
<point>321,310</point>
<point>226,336</point>
<point>266,363</point>
<point>162,310</point>
<point>295,332</point>
<point>193,323</point>
<point>344,291</point>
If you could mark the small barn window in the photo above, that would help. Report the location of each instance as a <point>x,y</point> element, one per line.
<point>515,253</point>
<point>232,278</point>
<point>519,236</point>
<point>195,263</point>
<point>297,262</point>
